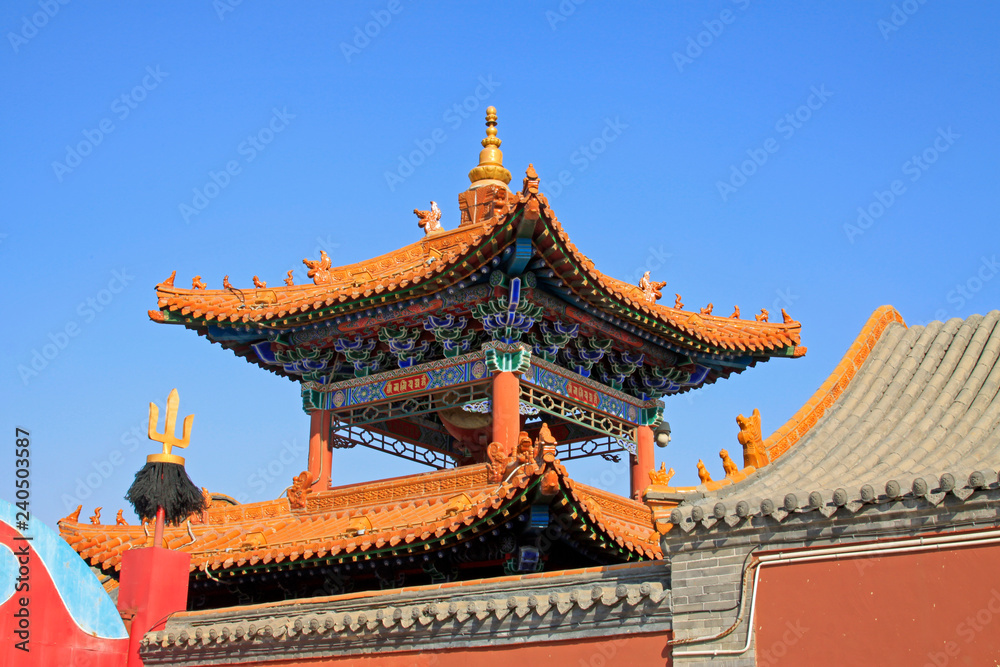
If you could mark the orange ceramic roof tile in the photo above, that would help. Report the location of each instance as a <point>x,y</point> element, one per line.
<point>404,513</point>
<point>729,333</point>
<point>442,259</point>
<point>403,268</point>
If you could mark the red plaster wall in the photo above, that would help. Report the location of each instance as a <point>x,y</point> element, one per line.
<point>633,650</point>
<point>927,609</point>
<point>55,638</point>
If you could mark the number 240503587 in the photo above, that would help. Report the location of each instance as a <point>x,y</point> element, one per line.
<point>22,474</point>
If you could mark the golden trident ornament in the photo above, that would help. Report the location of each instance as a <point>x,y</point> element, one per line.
<point>169,435</point>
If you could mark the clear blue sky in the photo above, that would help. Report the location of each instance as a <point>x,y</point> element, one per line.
<point>833,100</point>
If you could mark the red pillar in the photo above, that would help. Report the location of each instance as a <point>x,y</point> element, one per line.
<point>506,409</point>
<point>643,461</point>
<point>320,456</point>
<point>154,584</point>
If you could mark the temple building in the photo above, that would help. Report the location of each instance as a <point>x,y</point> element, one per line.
<point>492,353</point>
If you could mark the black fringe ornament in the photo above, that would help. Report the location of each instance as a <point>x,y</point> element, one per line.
<point>165,485</point>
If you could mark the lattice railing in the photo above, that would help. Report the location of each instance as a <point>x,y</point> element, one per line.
<point>605,446</point>
<point>345,436</point>
<point>617,429</point>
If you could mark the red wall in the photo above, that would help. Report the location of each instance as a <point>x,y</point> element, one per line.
<point>55,638</point>
<point>633,650</point>
<point>932,608</point>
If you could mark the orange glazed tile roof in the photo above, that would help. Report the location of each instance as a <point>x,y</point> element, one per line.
<point>492,220</point>
<point>413,514</point>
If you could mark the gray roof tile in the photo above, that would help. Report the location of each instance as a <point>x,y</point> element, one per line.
<point>925,404</point>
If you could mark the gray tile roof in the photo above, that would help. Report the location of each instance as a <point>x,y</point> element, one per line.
<point>922,416</point>
<point>546,606</point>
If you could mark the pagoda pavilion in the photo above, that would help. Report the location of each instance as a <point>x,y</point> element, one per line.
<point>491,353</point>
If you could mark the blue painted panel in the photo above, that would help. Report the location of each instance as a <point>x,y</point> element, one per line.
<point>399,384</point>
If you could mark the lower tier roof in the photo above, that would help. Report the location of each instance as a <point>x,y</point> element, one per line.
<point>409,515</point>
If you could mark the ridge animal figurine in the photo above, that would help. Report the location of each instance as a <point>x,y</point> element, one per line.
<point>727,464</point>
<point>662,476</point>
<point>752,440</point>
<point>651,288</point>
<point>429,221</point>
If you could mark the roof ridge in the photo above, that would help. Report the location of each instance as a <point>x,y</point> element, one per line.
<point>926,399</point>
<point>885,422</point>
<point>806,417</point>
<point>809,415</point>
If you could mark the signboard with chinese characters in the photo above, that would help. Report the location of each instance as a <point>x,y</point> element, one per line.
<point>406,385</point>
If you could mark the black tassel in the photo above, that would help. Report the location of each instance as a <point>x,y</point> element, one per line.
<point>165,485</point>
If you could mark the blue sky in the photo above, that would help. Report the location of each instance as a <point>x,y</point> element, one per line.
<point>727,146</point>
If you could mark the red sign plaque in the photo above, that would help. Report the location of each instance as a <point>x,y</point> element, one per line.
<point>406,385</point>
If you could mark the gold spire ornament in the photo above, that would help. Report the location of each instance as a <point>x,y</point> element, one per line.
<point>162,489</point>
<point>490,170</point>
<point>169,437</point>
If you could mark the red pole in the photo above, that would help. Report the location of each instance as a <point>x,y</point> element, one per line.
<point>506,409</point>
<point>161,518</point>
<point>320,458</point>
<point>643,461</point>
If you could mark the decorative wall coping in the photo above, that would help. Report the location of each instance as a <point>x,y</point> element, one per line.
<point>907,495</point>
<point>539,607</point>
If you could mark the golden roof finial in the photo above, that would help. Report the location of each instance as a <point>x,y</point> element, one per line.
<point>490,168</point>
<point>169,436</point>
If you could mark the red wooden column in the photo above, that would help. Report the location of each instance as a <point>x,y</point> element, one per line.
<point>643,461</point>
<point>320,456</point>
<point>506,409</point>
<point>154,584</point>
